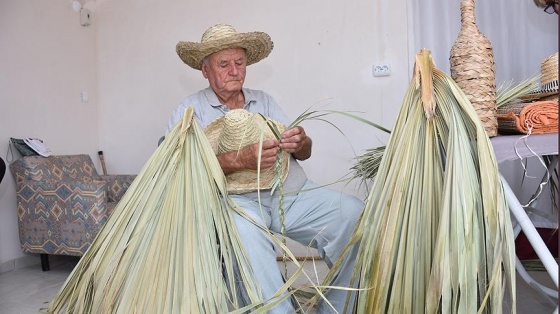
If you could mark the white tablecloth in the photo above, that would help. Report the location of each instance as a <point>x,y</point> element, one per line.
<point>513,148</point>
<point>542,144</point>
<point>516,152</point>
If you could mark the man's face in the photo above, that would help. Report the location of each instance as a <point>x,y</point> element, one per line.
<point>225,70</point>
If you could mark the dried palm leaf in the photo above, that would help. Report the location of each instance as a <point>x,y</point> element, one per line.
<point>306,115</point>
<point>366,165</point>
<point>435,233</point>
<point>171,245</point>
<point>507,91</point>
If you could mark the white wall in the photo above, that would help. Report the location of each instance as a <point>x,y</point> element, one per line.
<point>323,55</point>
<point>521,34</point>
<point>46,59</point>
<point>126,60</point>
<point>127,63</point>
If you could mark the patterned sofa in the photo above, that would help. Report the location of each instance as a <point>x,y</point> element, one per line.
<point>62,202</point>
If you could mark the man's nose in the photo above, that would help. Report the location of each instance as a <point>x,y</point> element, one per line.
<point>233,70</point>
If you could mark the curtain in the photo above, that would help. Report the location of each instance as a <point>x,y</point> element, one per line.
<point>522,34</point>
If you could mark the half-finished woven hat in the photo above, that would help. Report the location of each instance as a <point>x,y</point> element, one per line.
<point>236,129</point>
<point>549,79</point>
<point>257,45</point>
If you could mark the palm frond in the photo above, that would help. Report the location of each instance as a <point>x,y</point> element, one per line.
<point>168,242</point>
<point>366,165</point>
<point>435,233</point>
<point>508,91</point>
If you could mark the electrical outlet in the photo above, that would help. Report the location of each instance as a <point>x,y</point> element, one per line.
<point>381,70</point>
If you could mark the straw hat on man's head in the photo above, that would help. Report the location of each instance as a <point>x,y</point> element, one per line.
<point>239,128</point>
<point>257,45</point>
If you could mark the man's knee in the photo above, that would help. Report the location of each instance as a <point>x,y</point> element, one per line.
<point>352,208</point>
<point>247,226</point>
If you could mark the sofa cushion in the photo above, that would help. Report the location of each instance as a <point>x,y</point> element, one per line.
<point>61,217</point>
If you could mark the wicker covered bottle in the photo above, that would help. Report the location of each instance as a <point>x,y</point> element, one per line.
<point>472,68</point>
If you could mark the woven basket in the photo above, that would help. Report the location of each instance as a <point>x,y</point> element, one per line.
<point>549,69</point>
<point>472,68</point>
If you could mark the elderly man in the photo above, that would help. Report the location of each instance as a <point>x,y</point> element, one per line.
<point>312,215</point>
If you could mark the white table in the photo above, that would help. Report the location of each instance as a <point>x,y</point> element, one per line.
<point>514,147</point>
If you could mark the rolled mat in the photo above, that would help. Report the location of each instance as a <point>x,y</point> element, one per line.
<point>518,118</point>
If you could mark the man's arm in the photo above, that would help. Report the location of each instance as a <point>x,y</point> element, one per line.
<point>294,141</point>
<point>248,156</point>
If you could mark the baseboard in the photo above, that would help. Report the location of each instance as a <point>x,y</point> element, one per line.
<point>20,262</point>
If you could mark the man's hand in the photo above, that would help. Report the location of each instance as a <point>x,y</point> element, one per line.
<point>296,142</point>
<point>248,157</point>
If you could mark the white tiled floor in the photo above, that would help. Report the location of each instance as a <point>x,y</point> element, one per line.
<point>26,290</point>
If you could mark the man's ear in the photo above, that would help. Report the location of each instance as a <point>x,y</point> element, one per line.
<point>203,69</point>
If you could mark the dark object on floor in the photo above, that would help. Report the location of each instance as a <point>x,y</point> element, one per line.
<point>2,169</point>
<point>525,251</point>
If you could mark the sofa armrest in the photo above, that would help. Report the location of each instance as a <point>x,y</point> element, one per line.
<point>117,185</point>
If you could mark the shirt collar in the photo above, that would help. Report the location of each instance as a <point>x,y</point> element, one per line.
<point>214,102</point>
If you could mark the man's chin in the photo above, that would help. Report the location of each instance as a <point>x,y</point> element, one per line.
<point>233,86</point>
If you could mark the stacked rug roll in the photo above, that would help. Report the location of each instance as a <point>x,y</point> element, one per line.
<point>521,118</point>
<point>537,112</point>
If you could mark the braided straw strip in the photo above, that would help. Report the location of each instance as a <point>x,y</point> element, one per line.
<point>472,68</point>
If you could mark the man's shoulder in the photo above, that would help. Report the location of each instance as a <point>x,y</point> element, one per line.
<point>200,96</point>
<point>198,101</point>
